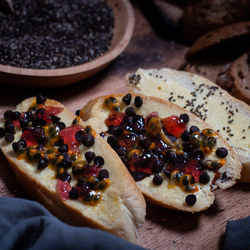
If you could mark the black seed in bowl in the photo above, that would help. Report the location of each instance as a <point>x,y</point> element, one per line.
<point>55,34</point>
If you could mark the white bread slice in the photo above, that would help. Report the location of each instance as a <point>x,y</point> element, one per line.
<point>202,97</point>
<point>166,195</point>
<point>122,208</point>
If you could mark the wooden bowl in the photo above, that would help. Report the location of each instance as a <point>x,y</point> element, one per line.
<point>124,26</point>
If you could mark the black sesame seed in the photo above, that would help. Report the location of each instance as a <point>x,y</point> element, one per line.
<point>40,99</point>
<point>121,151</point>
<point>2,132</point>
<point>138,101</point>
<point>73,193</point>
<point>194,129</point>
<point>24,122</point>
<point>170,156</point>
<point>157,167</point>
<point>191,199</point>
<point>8,114</point>
<point>187,146</point>
<point>15,147</point>
<point>221,152</point>
<point>55,119</point>
<point>42,139</point>
<point>127,99</point>
<point>98,160</point>
<point>102,134</point>
<point>204,178</point>
<point>185,136</point>
<point>9,137</point>
<point>157,180</point>
<point>78,112</point>
<point>89,155</point>
<point>130,111</point>
<point>15,115</point>
<point>112,141</point>
<point>65,176</point>
<point>63,148</point>
<point>88,140</point>
<point>10,128</point>
<point>79,135</point>
<point>103,174</point>
<point>42,163</point>
<point>184,118</point>
<point>185,180</point>
<point>61,125</point>
<point>167,172</point>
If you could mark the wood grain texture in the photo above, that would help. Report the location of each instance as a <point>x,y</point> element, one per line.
<point>164,229</point>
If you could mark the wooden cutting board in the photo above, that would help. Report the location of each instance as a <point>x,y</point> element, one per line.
<point>164,228</point>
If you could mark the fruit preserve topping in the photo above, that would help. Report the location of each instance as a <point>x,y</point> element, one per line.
<point>63,188</point>
<point>47,112</point>
<point>114,119</point>
<point>174,126</point>
<point>68,136</point>
<point>46,141</point>
<point>164,147</point>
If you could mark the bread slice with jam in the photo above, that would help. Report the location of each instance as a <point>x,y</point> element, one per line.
<point>63,163</point>
<point>226,114</point>
<point>177,159</point>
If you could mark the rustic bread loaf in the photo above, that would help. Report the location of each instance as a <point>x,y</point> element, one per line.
<point>203,16</point>
<point>148,134</point>
<point>239,74</point>
<point>116,205</point>
<point>229,116</point>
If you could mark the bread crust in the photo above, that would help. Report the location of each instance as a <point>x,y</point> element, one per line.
<point>219,36</point>
<point>182,82</point>
<point>173,198</point>
<point>240,83</point>
<point>120,211</point>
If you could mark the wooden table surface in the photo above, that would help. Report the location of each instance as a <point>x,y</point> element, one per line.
<point>164,228</point>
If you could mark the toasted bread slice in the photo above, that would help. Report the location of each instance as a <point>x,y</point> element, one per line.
<point>118,209</point>
<point>239,73</point>
<point>219,40</point>
<point>148,150</point>
<point>229,116</point>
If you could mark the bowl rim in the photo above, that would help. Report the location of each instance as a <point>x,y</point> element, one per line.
<point>98,62</point>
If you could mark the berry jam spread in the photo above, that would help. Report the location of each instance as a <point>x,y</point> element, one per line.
<point>155,145</point>
<point>46,141</point>
<point>68,137</point>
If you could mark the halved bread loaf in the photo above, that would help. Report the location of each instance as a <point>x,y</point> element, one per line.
<point>79,195</point>
<point>229,116</point>
<point>172,170</point>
